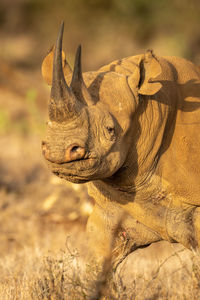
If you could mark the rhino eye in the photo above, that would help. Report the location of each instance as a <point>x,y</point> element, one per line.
<point>110,132</point>
<point>110,129</point>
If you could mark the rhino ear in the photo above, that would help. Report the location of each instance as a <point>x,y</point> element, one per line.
<point>47,66</point>
<point>150,69</point>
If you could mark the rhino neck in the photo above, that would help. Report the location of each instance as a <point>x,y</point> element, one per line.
<point>142,205</point>
<point>149,137</point>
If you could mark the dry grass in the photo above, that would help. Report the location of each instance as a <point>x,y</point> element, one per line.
<point>30,274</point>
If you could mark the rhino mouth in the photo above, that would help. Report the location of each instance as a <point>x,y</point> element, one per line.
<point>78,171</point>
<point>71,177</point>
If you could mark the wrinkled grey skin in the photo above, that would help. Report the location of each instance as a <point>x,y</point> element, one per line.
<point>117,129</point>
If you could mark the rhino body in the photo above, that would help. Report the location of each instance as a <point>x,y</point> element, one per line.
<point>131,131</point>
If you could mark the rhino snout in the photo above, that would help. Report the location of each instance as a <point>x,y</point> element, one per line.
<point>72,153</point>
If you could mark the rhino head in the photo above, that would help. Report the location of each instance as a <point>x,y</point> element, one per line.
<point>87,132</point>
<point>83,138</point>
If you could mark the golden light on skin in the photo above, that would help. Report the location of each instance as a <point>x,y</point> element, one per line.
<point>124,138</point>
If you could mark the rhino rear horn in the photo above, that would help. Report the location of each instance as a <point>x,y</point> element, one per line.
<point>77,84</point>
<point>77,77</point>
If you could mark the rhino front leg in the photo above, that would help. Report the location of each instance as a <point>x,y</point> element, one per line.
<point>101,227</point>
<point>113,234</point>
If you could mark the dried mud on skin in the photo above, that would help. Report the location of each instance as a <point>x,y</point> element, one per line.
<point>39,213</point>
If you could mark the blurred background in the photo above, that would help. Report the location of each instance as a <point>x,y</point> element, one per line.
<point>37,208</point>
<point>107,29</point>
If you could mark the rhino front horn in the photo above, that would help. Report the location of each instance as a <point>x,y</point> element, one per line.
<point>63,104</point>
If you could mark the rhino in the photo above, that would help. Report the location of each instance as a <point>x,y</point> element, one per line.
<point>131,132</point>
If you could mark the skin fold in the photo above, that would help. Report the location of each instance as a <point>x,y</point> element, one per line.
<point>131,132</point>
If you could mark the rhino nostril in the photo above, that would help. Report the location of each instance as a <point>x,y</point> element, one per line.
<point>43,147</point>
<point>45,150</point>
<point>74,152</point>
<point>75,149</point>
